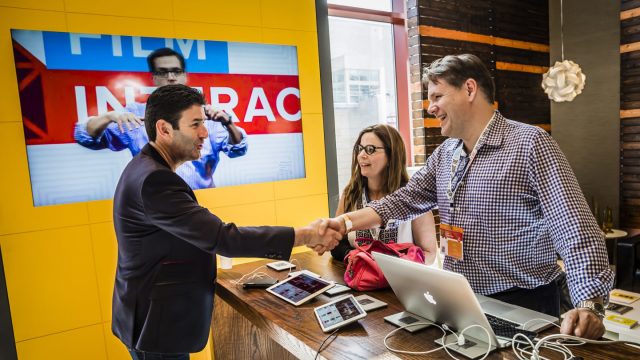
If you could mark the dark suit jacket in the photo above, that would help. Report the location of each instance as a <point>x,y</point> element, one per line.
<point>165,279</point>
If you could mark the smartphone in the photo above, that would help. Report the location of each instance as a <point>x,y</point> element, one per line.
<point>281,265</point>
<point>259,283</point>
<point>618,308</point>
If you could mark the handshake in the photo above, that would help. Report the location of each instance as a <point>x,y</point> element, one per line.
<point>321,235</point>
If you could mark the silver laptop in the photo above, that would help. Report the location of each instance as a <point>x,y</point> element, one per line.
<point>445,297</point>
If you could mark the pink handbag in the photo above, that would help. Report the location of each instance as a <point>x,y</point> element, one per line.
<point>364,274</point>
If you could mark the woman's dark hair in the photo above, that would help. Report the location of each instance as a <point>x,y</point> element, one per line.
<point>394,178</point>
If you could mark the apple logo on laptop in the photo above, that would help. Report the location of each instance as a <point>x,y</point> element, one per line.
<point>430,298</point>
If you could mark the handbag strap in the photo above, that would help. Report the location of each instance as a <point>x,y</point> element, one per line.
<point>389,249</point>
<point>409,251</point>
<point>400,247</point>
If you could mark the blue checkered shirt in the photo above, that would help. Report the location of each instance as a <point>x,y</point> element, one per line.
<point>519,204</point>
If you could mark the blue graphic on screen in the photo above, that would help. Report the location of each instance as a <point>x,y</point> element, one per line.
<point>129,53</point>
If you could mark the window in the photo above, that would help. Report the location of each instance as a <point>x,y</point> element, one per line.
<point>382,5</point>
<point>369,72</point>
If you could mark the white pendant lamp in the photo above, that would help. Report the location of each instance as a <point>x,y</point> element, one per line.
<point>564,80</point>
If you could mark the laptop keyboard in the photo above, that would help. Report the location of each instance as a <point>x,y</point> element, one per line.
<point>507,329</point>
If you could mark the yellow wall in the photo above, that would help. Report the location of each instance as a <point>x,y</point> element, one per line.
<point>60,260</point>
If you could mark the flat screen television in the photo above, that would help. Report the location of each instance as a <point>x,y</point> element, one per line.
<point>67,80</point>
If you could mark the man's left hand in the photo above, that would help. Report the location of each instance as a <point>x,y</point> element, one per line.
<point>582,323</point>
<point>216,115</point>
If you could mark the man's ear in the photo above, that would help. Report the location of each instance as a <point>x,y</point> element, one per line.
<point>471,87</point>
<point>163,129</point>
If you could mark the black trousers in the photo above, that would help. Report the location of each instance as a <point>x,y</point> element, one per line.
<point>544,298</point>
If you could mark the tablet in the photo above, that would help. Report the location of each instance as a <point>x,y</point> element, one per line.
<point>339,313</point>
<point>310,273</point>
<point>300,289</point>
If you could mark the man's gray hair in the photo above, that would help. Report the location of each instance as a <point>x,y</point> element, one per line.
<point>456,69</point>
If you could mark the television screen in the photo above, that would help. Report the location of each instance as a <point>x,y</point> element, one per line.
<point>73,88</point>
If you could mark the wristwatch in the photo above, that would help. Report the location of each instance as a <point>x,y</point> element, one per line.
<point>595,305</point>
<point>348,224</point>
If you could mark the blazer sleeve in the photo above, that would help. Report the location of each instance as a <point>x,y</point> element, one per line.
<point>169,204</point>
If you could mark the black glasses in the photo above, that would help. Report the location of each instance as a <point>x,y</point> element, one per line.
<point>165,73</point>
<point>369,149</point>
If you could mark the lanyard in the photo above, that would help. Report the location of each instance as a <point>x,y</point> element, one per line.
<point>455,162</point>
<point>375,232</point>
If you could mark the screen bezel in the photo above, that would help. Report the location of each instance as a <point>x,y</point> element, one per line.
<point>328,284</point>
<point>353,300</point>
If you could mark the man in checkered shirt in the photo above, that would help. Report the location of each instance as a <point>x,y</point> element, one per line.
<point>511,190</point>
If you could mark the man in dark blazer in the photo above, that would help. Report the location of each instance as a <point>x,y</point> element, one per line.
<point>167,242</point>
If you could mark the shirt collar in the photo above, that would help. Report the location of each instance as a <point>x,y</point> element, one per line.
<point>151,151</point>
<point>495,131</point>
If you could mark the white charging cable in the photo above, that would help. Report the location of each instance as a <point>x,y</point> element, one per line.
<point>294,262</point>
<point>557,346</point>
<point>521,351</point>
<point>570,337</point>
<point>259,275</point>
<point>250,276</point>
<point>444,334</point>
<point>460,340</point>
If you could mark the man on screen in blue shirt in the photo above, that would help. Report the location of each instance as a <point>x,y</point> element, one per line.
<point>125,130</point>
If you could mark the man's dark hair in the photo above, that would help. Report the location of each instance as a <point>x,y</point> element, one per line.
<point>167,103</point>
<point>164,52</point>
<point>456,69</point>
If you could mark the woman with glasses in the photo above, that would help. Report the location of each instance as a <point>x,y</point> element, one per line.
<point>378,168</point>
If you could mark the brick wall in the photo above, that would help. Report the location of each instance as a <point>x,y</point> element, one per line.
<point>512,37</point>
